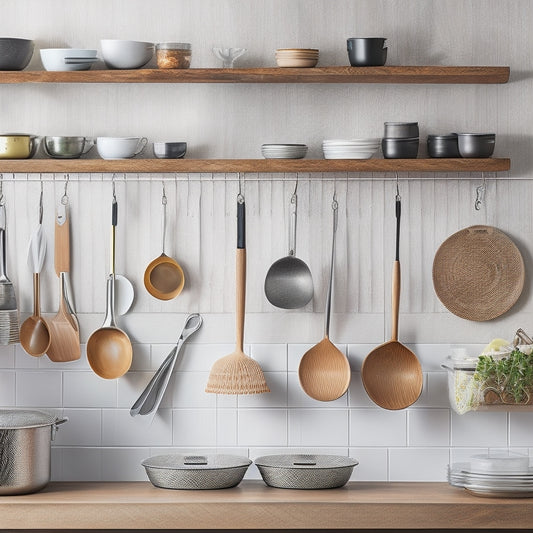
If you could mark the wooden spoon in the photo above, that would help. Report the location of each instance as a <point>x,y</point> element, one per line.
<point>324,370</point>
<point>391,373</point>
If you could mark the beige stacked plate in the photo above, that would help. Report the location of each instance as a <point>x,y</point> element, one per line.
<point>297,57</point>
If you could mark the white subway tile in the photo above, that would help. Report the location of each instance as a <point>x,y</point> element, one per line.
<point>294,353</point>
<point>463,455</point>
<point>194,427</point>
<point>78,364</point>
<point>86,389</point>
<point>277,397</point>
<point>431,355</point>
<point>227,400</point>
<point>200,357</point>
<point>357,395</point>
<point>428,427</point>
<point>226,427</point>
<point>7,388</point>
<point>377,427</point>
<point>520,428</point>
<point>299,398</point>
<point>262,427</point>
<point>418,464</point>
<point>318,427</point>
<point>132,384</point>
<point>84,428</point>
<point>357,354</point>
<point>436,393</point>
<point>39,389</point>
<point>142,359</point>
<point>158,353</point>
<point>81,464</point>
<point>121,429</point>
<point>479,429</point>
<point>271,357</point>
<point>372,464</point>
<point>25,361</point>
<point>7,356</point>
<point>187,389</point>
<point>56,464</point>
<point>124,464</point>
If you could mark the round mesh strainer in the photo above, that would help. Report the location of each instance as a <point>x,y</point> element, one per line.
<point>478,273</point>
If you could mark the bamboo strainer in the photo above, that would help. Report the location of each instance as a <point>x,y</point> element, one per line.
<point>478,273</point>
<point>237,373</point>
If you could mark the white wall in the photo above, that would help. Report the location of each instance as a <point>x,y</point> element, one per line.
<point>101,441</point>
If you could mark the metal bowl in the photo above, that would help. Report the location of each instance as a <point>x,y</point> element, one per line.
<point>366,51</point>
<point>170,150</point>
<point>476,144</point>
<point>15,54</point>
<point>305,471</point>
<point>196,472</point>
<point>18,145</point>
<point>401,130</point>
<point>67,147</point>
<point>443,146</point>
<point>400,148</point>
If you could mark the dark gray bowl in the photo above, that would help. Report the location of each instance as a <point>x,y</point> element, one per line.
<point>366,51</point>
<point>476,144</point>
<point>15,54</point>
<point>401,130</point>
<point>400,148</point>
<point>443,146</point>
<point>170,150</point>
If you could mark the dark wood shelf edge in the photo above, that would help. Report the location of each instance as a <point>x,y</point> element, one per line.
<point>340,74</point>
<point>193,166</point>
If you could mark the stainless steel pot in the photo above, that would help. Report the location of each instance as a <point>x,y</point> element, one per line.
<point>67,147</point>
<point>25,442</point>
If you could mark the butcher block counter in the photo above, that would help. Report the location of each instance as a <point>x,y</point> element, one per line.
<point>254,506</point>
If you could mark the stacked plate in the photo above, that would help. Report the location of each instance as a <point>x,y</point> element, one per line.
<point>284,151</point>
<point>496,481</point>
<point>363,148</point>
<point>297,57</point>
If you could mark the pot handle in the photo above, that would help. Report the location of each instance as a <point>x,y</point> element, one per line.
<point>58,422</point>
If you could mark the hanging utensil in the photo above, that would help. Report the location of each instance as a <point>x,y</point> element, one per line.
<point>324,371</point>
<point>34,333</point>
<point>64,328</point>
<point>109,349</point>
<point>391,373</point>
<point>164,278</point>
<point>238,373</point>
<point>288,283</point>
<point>149,400</point>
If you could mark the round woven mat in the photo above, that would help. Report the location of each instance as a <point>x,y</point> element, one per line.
<point>478,273</point>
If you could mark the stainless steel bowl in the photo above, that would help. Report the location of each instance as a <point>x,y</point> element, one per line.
<point>476,144</point>
<point>67,147</point>
<point>401,130</point>
<point>305,471</point>
<point>443,145</point>
<point>15,54</point>
<point>196,472</point>
<point>400,148</point>
<point>170,150</point>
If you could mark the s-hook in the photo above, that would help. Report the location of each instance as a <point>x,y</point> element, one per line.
<point>64,198</point>
<point>480,193</point>
<point>41,200</point>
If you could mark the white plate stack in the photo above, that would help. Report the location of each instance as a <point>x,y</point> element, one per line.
<point>507,476</point>
<point>363,148</point>
<point>284,151</point>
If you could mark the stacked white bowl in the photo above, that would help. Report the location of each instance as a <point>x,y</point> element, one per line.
<point>67,59</point>
<point>363,148</point>
<point>284,151</point>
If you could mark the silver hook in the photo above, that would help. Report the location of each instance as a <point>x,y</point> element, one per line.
<point>41,200</point>
<point>480,193</point>
<point>164,197</point>
<point>64,198</point>
<point>2,197</point>
<point>240,196</point>
<point>113,189</point>
<point>398,197</point>
<point>295,185</point>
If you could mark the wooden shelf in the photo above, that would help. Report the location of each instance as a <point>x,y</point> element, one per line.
<point>191,166</point>
<point>392,74</point>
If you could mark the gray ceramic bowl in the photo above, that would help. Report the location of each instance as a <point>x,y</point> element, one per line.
<point>401,130</point>
<point>170,150</point>
<point>400,148</point>
<point>443,146</point>
<point>15,54</point>
<point>366,51</point>
<point>67,147</point>
<point>476,144</point>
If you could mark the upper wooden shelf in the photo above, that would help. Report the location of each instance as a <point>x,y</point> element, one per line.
<point>252,165</point>
<point>392,74</point>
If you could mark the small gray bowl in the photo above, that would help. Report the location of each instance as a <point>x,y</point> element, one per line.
<point>15,54</point>
<point>476,145</point>
<point>170,150</point>
<point>401,130</point>
<point>443,146</point>
<point>400,148</point>
<point>366,51</point>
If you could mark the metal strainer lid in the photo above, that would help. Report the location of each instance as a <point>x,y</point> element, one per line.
<point>196,462</point>
<point>23,418</point>
<point>305,461</point>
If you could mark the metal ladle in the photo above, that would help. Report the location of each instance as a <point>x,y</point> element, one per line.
<point>109,349</point>
<point>288,283</point>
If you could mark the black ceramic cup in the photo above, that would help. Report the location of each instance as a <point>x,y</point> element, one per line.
<point>366,51</point>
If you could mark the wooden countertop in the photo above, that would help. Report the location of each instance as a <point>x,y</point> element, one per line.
<point>253,505</point>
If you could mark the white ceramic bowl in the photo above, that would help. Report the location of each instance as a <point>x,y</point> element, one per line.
<point>126,54</point>
<point>67,59</point>
<point>120,147</point>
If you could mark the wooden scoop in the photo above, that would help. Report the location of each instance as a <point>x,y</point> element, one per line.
<point>64,330</point>
<point>324,370</point>
<point>391,373</point>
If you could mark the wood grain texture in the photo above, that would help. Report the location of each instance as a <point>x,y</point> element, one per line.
<point>252,505</point>
<point>388,74</point>
<point>152,166</point>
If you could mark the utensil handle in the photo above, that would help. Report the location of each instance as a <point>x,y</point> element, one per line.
<point>36,294</point>
<point>241,223</point>
<point>396,284</point>
<point>240,268</point>
<point>114,220</point>
<point>398,215</point>
<point>292,224</point>
<point>331,268</point>
<point>62,240</point>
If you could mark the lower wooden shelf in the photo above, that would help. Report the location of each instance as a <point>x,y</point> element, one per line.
<point>81,166</point>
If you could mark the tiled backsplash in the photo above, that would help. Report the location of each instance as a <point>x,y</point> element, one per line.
<point>102,441</point>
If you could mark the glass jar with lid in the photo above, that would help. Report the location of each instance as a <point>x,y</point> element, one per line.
<point>173,55</point>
